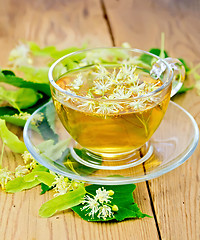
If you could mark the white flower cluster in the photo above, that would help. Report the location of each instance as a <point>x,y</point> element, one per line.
<point>5,176</point>
<point>99,204</point>
<point>20,56</point>
<point>29,160</point>
<point>62,185</point>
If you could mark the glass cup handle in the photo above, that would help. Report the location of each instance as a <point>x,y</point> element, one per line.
<point>178,74</point>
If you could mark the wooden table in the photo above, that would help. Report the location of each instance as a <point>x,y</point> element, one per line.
<point>172,199</point>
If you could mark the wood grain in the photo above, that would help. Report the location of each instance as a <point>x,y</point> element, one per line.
<point>61,23</point>
<point>176,195</point>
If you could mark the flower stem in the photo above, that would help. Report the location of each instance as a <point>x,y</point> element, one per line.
<point>1,159</point>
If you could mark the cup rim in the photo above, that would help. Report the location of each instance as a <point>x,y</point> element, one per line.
<point>164,85</point>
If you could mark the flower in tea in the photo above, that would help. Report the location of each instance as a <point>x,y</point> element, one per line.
<point>77,82</point>
<point>126,72</point>
<point>107,108</point>
<point>138,104</point>
<point>121,93</point>
<point>102,73</point>
<point>102,86</point>
<point>88,105</point>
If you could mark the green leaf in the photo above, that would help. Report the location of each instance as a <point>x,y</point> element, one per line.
<point>184,89</point>
<point>19,82</point>
<point>20,99</point>
<point>18,184</point>
<point>58,54</point>
<point>35,75</point>
<point>187,69</point>
<point>29,181</point>
<point>62,202</point>
<point>10,139</point>
<point>45,188</point>
<point>147,59</point>
<point>37,51</point>
<point>127,208</point>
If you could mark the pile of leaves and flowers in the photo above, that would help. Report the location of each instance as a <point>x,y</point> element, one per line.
<point>92,202</point>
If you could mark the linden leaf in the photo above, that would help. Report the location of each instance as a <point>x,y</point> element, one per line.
<point>29,181</point>
<point>9,78</point>
<point>10,139</point>
<point>127,208</point>
<point>62,202</point>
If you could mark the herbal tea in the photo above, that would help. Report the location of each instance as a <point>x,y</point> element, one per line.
<point>108,116</point>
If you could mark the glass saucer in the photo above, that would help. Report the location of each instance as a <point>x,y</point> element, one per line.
<point>50,144</point>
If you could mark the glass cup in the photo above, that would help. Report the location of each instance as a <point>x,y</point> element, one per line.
<point>112,100</point>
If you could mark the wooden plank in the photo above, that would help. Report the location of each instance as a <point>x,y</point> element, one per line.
<point>176,194</point>
<point>61,23</point>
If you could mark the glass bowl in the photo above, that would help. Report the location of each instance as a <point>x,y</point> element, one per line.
<point>172,144</point>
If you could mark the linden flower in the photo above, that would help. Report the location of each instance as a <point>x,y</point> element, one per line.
<point>88,105</point>
<point>20,171</point>
<point>91,204</point>
<point>37,119</point>
<point>19,56</point>
<point>103,195</point>
<point>22,115</point>
<point>5,176</point>
<point>104,212</point>
<point>126,72</point>
<point>61,185</point>
<point>29,160</point>
<point>27,157</point>
<point>77,82</point>
<point>102,73</point>
<point>102,86</point>
<point>138,104</point>
<point>121,93</point>
<point>151,87</point>
<point>107,108</point>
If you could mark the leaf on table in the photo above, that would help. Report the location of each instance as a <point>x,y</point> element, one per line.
<point>18,184</point>
<point>45,188</point>
<point>37,51</point>
<point>62,202</point>
<point>123,198</point>
<point>10,139</point>
<point>187,68</point>
<point>184,89</point>
<point>34,74</point>
<point>21,98</point>
<point>20,82</point>
<point>29,181</point>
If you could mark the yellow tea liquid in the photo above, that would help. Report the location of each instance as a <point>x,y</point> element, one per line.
<point>103,127</point>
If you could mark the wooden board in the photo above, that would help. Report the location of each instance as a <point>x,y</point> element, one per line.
<point>176,195</point>
<point>61,23</point>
